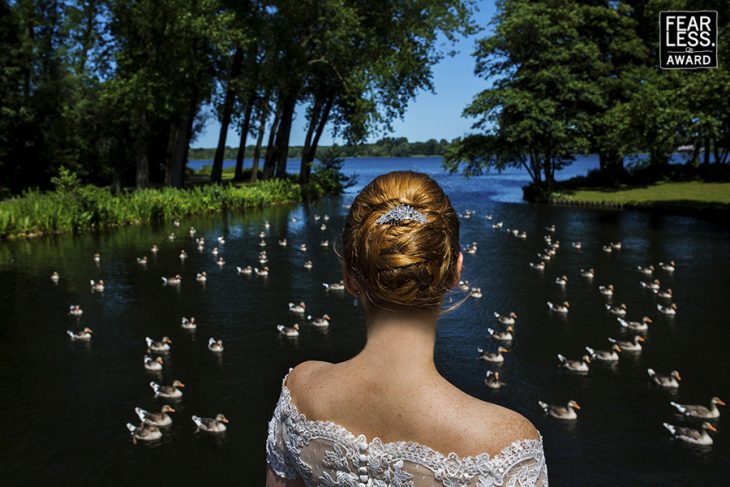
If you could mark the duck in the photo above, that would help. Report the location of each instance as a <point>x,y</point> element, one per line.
<point>192,232</point>
<point>464,285</point>
<point>211,425</point>
<point>176,222</point>
<point>502,336</point>
<point>522,235</point>
<point>81,336</point>
<point>698,411</point>
<point>492,381</point>
<point>159,346</point>
<point>172,281</point>
<point>144,432</point>
<point>317,217</point>
<point>282,242</point>
<point>55,277</point>
<point>215,345</point>
<point>551,228</point>
<point>97,286</point>
<point>298,308</point>
<point>669,267</point>
<point>670,381</point>
<point>653,285</point>
<point>154,248</point>
<point>183,255</point>
<point>550,251</point>
<point>640,326</point>
<point>575,365</point>
<point>577,245</point>
<point>646,270</point>
<point>548,239</point>
<point>171,237</point>
<point>588,273</point>
<point>75,310</point>
<point>215,251</point>
<point>303,247</point>
<point>539,266</point>
<point>476,292</point>
<point>509,319</point>
<point>221,240</point>
<point>246,271</point>
<point>606,290</point>
<point>326,217</point>
<point>324,243</point>
<point>543,257</point>
<point>201,276</point>
<point>471,250</point>
<point>262,243</point>
<point>323,227</point>
<point>97,258</point>
<point>667,294</point>
<point>168,392</point>
<point>607,248</point>
<point>308,264</point>
<point>489,216</point>
<point>692,435</point>
<point>153,364</point>
<point>322,322</point>
<point>616,245</point>
<point>559,308</point>
<point>142,260</point>
<point>670,310</point>
<point>561,412</point>
<point>561,281</point>
<point>189,323</point>
<point>159,419</point>
<point>289,331</point>
<point>633,345</point>
<point>618,310</point>
<point>497,225</point>
<point>263,259</point>
<point>261,272</point>
<point>267,225</point>
<point>605,355</point>
<point>221,262</point>
<point>493,357</point>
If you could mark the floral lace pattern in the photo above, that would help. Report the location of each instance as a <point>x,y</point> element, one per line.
<point>324,453</point>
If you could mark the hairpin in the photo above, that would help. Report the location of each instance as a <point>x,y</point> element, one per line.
<point>400,213</point>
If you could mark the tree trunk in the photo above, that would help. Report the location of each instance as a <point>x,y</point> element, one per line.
<point>282,139</point>
<point>269,161</point>
<point>217,170</point>
<point>174,134</point>
<point>707,151</point>
<point>238,176</point>
<point>141,156</point>
<point>313,119</point>
<point>321,124</point>
<point>260,136</point>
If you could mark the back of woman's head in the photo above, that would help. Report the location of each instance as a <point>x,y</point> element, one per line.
<point>402,262</point>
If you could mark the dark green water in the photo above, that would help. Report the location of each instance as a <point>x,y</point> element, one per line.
<point>65,404</point>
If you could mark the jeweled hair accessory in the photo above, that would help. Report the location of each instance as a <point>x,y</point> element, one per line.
<point>400,213</point>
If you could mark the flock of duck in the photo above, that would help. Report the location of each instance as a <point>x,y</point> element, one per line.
<point>691,413</point>
<point>151,425</point>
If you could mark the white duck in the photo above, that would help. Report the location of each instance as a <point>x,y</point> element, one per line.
<point>153,364</point>
<point>97,286</point>
<point>289,331</point>
<point>142,260</point>
<point>303,247</point>
<point>667,294</point>
<point>215,251</point>
<point>605,355</point>
<point>211,425</point>
<point>154,248</point>
<point>540,266</point>
<point>261,272</point>
<point>559,308</point>
<point>606,290</point>
<point>561,281</point>
<point>168,392</point>
<point>282,242</point>
<point>646,270</point>
<point>640,326</point>
<point>616,245</point>
<point>183,255</point>
<point>172,281</point>
<point>607,248</point>
<point>476,292</point>
<point>201,277</point>
<point>215,345</point>
<point>97,258</point>
<point>561,412</point>
<point>75,310</point>
<point>617,310</point>
<point>698,411</point>
<point>502,336</point>
<point>324,243</point>
<point>575,365</point>
<point>300,308</point>
<point>189,323</point>
<point>159,419</point>
<point>633,345</point>
<point>509,319</point>
<point>670,381</point>
<point>493,357</point>
<point>670,310</point>
<point>262,243</point>
<point>577,245</point>
<point>464,285</point>
<point>246,271</point>
<point>171,237</point>
<point>221,262</point>
<point>588,273</point>
<point>81,336</point>
<point>551,228</point>
<point>308,264</point>
<point>653,285</point>
<point>323,227</point>
<point>144,432</point>
<point>492,381</point>
<point>322,322</point>
<point>669,267</point>
<point>159,346</point>
<point>55,277</point>
<point>335,286</point>
<point>692,435</point>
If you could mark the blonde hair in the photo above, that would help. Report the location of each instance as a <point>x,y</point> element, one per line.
<point>403,263</point>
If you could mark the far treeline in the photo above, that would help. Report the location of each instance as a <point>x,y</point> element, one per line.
<point>572,77</point>
<point>116,90</point>
<point>385,147</point>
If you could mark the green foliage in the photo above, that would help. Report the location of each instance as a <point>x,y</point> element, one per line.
<point>327,177</point>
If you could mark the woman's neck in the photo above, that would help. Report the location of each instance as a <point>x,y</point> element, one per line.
<point>400,342</point>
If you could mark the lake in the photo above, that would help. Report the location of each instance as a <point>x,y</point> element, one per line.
<point>65,404</point>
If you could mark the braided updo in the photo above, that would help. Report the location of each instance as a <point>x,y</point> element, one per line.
<point>403,263</point>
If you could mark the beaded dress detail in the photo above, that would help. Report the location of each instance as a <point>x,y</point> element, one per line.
<point>326,454</point>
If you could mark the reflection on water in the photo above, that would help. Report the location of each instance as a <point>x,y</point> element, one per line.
<point>66,403</point>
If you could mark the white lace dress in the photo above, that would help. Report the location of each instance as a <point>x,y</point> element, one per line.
<point>324,453</point>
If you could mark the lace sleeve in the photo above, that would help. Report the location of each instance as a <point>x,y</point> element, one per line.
<point>523,464</point>
<point>276,452</point>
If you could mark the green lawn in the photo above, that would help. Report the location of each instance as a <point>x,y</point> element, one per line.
<point>695,193</point>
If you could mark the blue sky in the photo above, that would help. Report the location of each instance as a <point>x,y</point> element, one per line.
<point>431,115</point>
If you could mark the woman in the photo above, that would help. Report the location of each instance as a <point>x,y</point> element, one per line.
<point>384,417</point>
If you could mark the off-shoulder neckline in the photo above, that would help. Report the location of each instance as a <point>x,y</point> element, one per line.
<point>504,454</point>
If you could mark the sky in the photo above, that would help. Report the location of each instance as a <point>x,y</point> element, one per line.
<point>429,116</point>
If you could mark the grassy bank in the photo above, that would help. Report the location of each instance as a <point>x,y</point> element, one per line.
<point>691,195</point>
<point>81,207</point>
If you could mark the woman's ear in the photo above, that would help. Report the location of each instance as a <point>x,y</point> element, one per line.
<point>350,284</point>
<point>459,266</point>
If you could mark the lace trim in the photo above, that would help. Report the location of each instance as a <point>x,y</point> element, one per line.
<point>451,469</point>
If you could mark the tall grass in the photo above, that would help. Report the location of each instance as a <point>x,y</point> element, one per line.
<point>85,207</point>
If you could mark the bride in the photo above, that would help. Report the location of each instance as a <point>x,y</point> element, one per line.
<point>387,417</point>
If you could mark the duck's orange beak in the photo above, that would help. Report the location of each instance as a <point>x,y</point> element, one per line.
<point>721,402</point>
<point>712,428</point>
<point>181,385</point>
<point>577,406</point>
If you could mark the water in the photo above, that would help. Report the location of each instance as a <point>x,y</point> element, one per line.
<point>65,404</point>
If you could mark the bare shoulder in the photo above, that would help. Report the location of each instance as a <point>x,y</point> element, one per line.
<point>306,382</point>
<point>501,427</point>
